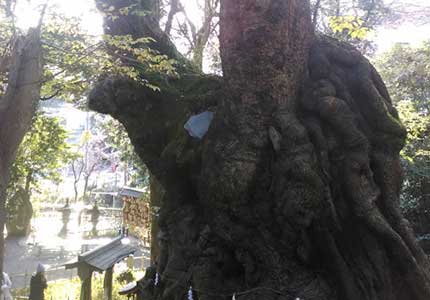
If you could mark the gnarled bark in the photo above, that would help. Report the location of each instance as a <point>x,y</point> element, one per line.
<point>293,192</point>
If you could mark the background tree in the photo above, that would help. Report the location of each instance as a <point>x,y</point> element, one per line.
<point>416,155</point>
<point>40,157</point>
<point>77,166</point>
<point>122,151</point>
<point>351,21</point>
<point>354,21</point>
<point>294,190</point>
<point>197,37</point>
<point>417,12</point>
<point>371,12</point>
<point>87,157</point>
<point>406,73</point>
<point>97,156</point>
<point>405,70</point>
<point>21,72</point>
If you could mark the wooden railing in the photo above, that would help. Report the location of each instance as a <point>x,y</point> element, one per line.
<point>22,280</point>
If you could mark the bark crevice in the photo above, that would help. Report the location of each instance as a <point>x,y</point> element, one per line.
<point>294,191</point>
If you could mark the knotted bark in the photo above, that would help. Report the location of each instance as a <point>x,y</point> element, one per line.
<point>294,191</point>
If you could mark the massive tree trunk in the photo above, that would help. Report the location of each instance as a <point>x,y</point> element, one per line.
<point>17,108</point>
<point>293,192</point>
<point>156,201</point>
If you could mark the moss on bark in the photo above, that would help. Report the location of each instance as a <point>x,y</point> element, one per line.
<point>293,192</point>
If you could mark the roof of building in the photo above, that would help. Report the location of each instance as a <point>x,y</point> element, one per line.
<point>105,256</point>
<point>131,192</point>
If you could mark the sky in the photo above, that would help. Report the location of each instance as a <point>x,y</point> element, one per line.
<point>406,33</point>
<point>28,12</point>
<point>27,15</point>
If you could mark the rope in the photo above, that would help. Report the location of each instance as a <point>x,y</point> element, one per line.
<point>234,296</point>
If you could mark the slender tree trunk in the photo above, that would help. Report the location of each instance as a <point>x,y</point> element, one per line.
<point>3,188</point>
<point>294,190</point>
<point>28,180</point>
<point>17,108</point>
<point>174,9</point>
<point>87,176</point>
<point>77,173</point>
<point>75,189</point>
<point>86,179</point>
<point>201,37</point>
<point>198,55</point>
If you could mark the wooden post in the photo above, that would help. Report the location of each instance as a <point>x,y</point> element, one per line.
<point>85,274</point>
<point>107,284</point>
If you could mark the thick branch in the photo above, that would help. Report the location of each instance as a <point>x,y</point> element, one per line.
<point>140,25</point>
<point>161,113</point>
<point>174,9</point>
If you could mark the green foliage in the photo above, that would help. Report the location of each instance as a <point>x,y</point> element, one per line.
<point>349,28</point>
<point>406,72</point>
<point>41,154</point>
<point>371,12</point>
<point>416,155</point>
<point>19,213</point>
<point>75,60</point>
<point>133,58</point>
<point>70,289</point>
<point>70,68</point>
<point>111,13</point>
<point>351,21</point>
<point>43,149</point>
<point>125,277</point>
<point>62,290</point>
<point>6,33</point>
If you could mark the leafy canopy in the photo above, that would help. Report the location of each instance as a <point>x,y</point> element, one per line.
<point>351,21</point>
<point>42,153</point>
<point>75,60</point>
<point>406,72</point>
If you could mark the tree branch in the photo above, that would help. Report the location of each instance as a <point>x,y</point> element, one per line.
<point>142,25</point>
<point>315,12</point>
<point>57,92</point>
<point>174,9</point>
